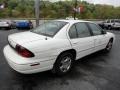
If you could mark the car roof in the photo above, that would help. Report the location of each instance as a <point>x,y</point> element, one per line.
<point>4,20</point>
<point>73,21</point>
<point>23,20</point>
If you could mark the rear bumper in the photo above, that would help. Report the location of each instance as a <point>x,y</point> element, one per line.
<point>4,26</point>
<point>25,67</point>
<point>22,26</point>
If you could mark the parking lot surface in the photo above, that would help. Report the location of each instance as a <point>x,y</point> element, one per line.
<point>99,71</point>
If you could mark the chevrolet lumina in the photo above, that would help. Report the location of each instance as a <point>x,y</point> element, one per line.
<point>55,45</point>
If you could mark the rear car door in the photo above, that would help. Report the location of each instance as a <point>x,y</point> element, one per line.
<point>81,40</point>
<point>100,40</point>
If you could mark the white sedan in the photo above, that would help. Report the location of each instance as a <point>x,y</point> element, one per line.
<point>55,45</point>
<point>7,24</point>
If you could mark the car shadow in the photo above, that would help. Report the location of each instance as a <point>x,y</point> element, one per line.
<point>82,68</point>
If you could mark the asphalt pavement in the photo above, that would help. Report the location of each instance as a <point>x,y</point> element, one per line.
<point>99,71</point>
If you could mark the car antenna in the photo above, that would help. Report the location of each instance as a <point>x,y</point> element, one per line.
<point>44,20</point>
<point>75,8</point>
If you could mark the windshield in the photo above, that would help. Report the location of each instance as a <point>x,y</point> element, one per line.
<point>49,28</point>
<point>118,21</point>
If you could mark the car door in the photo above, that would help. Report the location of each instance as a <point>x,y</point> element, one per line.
<point>81,40</point>
<point>100,40</point>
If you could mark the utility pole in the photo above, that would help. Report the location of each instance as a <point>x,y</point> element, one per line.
<point>75,8</point>
<point>37,11</point>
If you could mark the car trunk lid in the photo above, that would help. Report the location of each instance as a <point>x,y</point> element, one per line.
<point>24,37</point>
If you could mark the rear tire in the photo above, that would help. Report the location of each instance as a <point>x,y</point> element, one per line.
<point>19,28</point>
<point>63,64</point>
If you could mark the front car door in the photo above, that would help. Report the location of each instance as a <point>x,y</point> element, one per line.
<point>81,40</point>
<point>100,40</point>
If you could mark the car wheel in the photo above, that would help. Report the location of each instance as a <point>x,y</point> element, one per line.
<point>19,28</point>
<point>109,27</point>
<point>109,46</point>
<point>7,28</point>
<point>31,27</point>
<point>63,64</point>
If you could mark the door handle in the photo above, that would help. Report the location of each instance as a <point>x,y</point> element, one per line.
<point>75,42</point>
<point>95,39</point>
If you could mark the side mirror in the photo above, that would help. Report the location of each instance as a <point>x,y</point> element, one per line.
<point>103,32</point>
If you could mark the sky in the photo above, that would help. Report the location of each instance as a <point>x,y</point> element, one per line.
<point>109,2</point>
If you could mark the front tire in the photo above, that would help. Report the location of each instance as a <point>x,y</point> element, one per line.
<point>8,28</point>
<point>109,46</point>
<point>109,27</point>
<point>63,64</point>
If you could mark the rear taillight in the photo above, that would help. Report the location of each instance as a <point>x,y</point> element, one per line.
<point>23,51</point>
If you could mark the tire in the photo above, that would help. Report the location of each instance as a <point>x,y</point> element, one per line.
<point>31,27</point>
<point>63,64</point>
<point>109,46</point>
<point>109,27</point>
<point>18,28</point>
<point>7,28</point>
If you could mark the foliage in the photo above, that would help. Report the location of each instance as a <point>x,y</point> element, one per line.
<point>60,9</point>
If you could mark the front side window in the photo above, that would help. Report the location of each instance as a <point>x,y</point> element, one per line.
<point>108,21</point>
<point>118,21</point>
<point>49,28</point>
<point>82,30</point>
<point>95,29</point>
<point>112,21</point>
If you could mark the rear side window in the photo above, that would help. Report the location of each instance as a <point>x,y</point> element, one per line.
<point>73,32</point>
<point>95,29</point>
<point>82,30</point>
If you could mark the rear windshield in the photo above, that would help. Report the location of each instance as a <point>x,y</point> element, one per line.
<point>49,28</point>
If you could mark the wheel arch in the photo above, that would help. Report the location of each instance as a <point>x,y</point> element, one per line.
<point>72,51</point>
<point>111,39</point>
